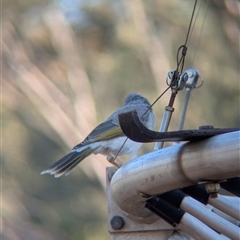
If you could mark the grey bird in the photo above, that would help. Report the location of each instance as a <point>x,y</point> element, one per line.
<point>107,138</point>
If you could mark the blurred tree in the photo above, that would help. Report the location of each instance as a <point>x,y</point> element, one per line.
<point>63,73</point>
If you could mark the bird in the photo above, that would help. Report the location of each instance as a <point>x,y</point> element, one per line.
<point>107,138</point>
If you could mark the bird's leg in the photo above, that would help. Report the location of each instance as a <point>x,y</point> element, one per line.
<point>113,160</point>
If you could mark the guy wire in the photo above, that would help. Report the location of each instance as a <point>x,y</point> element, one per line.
<point>184,51</point>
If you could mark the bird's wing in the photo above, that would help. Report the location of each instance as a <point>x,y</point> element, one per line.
<point>103,131</point>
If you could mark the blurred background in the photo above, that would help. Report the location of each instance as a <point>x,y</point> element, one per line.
<point>67,65</point>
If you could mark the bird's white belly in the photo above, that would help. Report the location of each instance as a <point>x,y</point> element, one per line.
<point>127,146</point>
<point>118,146</point>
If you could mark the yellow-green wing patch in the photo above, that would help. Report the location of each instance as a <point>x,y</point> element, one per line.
<point>103,131</point>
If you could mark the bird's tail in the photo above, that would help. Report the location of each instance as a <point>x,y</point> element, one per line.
<point>68,162</point>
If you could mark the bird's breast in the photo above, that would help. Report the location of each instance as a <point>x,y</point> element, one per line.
<point>123,145</point>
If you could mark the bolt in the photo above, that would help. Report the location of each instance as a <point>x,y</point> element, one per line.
<point>212,189</point>
<point>190,74</point>
<point>117,222</point>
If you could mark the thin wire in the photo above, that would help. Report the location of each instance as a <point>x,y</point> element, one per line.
<point>190,24</point>
<point>196,17</point>
<point>156,100</point>
<point>180,63</point>
<point>120,149</point>
<point>201,31</point>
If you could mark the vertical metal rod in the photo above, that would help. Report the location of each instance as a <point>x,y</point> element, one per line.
<point>187,96</point>
<point>166,119</point>
<point>193,76</point>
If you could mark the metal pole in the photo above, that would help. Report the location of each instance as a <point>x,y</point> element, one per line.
<point>226,206</point>
<point>185,105</point>
<point>164,125</point>
<point>197,229</point>
<point>166,119</point>
<point>191,83</point>
<point>201,212</point>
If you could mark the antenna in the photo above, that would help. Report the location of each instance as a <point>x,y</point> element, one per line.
<point>163,194</point>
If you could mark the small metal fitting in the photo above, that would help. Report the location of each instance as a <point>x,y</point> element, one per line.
<point>212,189</point>
<point>193,77</point>
<point>117,222</point>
